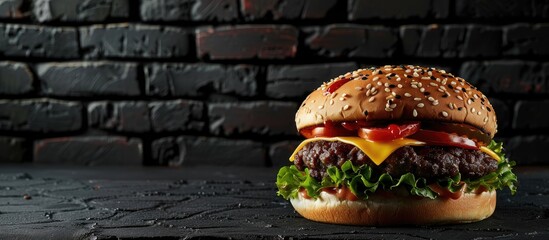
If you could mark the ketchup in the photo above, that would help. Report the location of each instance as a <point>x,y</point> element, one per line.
<point>445,193</point>
<point>343,193</point>
<point>335,85</point>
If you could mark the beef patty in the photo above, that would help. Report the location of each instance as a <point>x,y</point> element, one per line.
<point>430,162</point>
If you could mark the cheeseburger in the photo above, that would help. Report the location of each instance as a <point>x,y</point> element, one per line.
<point>396,145</point>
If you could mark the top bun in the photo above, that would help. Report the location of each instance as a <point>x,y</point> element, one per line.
<point>399,93</point>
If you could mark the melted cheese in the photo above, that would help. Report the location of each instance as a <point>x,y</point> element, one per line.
<point>377,151</point>
<point>490,152</point>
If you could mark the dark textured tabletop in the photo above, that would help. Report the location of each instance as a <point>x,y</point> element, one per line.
<point>47,202</point>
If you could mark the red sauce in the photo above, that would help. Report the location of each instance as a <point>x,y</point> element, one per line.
<point>445,193</point>
<point>335,85</point>
<point>342,193</point>
<point>481,189</point>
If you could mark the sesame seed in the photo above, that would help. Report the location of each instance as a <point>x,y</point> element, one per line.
<point>342,99</point>
<point>387,90</point>
<point>445,114</point>
<point>420,105</point>
<point>345,95</point>
<point>453,83</point>
<point>399,85</point>
<point>379,83</point>
<point>473,110</point>
<point>320,106</point>
<point>433,84</point>
<point>393,105</point>
<point>368,92</point>
<point>346,107</point>
<point>451,106</point>
<point>386,84</point>
<point>469,101</point>
<point>334,94</point>
<point>422,89</point>
<point>408,71</point>
<point>358,88</point>
<point>417,99</point>
<point>331,102</point>
<point>438,80</point>
<point>369,86</point>
<point>425,78</point>
<point>440,90</point>
<point>398,79</point>
<point>431,99</point>
<point>393,93</point>
<point>430,73</point>
<point>416,75</point>
<point>388,109</point>
<point>420,84</point>
<point>460,98</point>
<point>435,102</point>
<point>479,112</point>
<point>414,113</point>
<point>371,99</point>
<point>313,101</point>
<point>414,86</point>
<point>375,78</point>
<point>485,119</point>
<point>407,94</point>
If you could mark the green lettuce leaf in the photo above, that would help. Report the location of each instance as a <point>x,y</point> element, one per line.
<point>362,182</point>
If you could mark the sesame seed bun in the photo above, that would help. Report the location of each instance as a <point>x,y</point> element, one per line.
<point>383,211</point>
<point>399,93</point>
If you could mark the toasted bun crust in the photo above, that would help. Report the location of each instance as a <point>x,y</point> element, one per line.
<point>384,211</point>
<point>400,93</point>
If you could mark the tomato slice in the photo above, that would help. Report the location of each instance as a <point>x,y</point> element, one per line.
<point>444,139</point>
<point>329,129</point>
<point>389,133</point>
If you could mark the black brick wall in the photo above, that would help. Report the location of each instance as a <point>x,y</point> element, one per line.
<point>191,82</point>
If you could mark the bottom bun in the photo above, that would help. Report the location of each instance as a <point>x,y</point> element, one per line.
<point>380,210</point>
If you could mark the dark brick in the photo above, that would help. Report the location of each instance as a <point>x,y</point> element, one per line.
<point>12,149</point>
<point>192,151</point>
<point>40,115</point>
<point>397,9</point>
<point>134,40</point>
<point>528,150</point>
<point>38,41</point>
<point>287,9</point>
<point>268,118</point>
<point>79,10</point>
<point>185,10</point>
<point>505,76</point>
<point>15,78</point>
<point>88,79</point>
<point>200,79</point>
<point>289,81</point>
<point>531,115</point>
<point>12,9</point>
<point>88,150</point>
<point>482,41</point>
<point>280,152</point>
<point>496,8</point>
<point>525,39</point>
<point>177,115</point>
<point>503,113</point>
<point>246,41</point>
<point>122,116</point>
<point>432,40</point>
<point>349,40</point>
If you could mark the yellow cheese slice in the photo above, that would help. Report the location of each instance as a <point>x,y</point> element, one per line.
<point>490,152</point>
<point>376,151</point>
